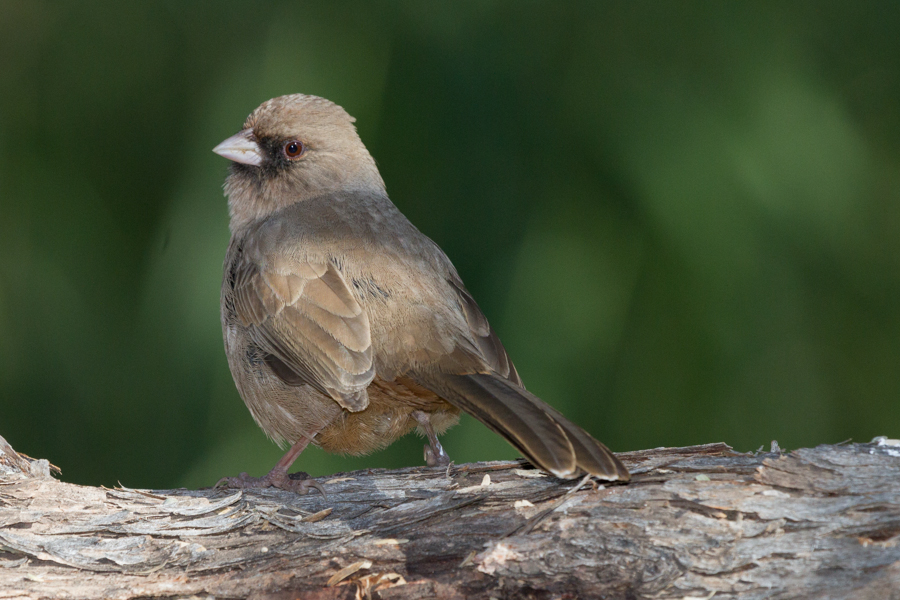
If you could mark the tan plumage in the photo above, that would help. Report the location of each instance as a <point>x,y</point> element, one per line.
<point>346,326</point>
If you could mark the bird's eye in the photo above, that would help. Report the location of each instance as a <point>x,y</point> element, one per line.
<point>294,150</point>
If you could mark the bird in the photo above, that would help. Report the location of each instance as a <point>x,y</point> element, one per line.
<point>344,325</point>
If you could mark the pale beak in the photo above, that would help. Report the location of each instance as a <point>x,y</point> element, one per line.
<point>241,148</point>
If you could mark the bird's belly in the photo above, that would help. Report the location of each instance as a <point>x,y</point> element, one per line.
<point>289,413</point>
<point>388,416</point>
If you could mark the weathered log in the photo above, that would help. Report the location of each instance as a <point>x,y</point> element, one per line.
<point>693,522</point>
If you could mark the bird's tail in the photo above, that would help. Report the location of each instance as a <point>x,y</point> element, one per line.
<point>536,429</point>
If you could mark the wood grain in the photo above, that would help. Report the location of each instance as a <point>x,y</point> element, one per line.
<point>814,523</point>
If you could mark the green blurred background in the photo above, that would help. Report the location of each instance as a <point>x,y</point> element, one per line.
<point>682,218</point>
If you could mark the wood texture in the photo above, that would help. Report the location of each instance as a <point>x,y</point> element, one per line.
<point>694,522</point>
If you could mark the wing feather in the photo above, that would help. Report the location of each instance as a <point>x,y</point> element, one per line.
<point>486,338</point>
<point>304,314</point>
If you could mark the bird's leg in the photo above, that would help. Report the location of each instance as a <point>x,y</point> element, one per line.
<point>434,452</point>
<point>278,477</point>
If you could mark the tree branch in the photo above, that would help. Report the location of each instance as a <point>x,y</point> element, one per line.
<point>694,521</point>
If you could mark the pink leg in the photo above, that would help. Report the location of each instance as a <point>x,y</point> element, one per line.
<point>278,477</point>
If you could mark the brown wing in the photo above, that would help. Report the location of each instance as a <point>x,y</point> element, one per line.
<point>305,317</point>
<point>486,339</point>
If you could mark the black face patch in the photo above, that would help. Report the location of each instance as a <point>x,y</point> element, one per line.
<point>274,163</point>
<point>273,150</point>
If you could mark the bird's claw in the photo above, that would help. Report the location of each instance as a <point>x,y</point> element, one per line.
<point>299,483</point>
<point>240,482</point>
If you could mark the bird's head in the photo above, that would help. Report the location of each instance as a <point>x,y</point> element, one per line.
<point>290,149</point>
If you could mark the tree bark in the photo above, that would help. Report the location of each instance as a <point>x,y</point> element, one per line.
<point>693,522</point>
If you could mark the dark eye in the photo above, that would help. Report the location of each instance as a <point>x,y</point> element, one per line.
<point>294,149</point>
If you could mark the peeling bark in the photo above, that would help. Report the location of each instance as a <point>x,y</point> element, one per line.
<point>696,521</point>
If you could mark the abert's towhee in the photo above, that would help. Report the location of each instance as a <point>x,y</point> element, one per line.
<point>344,325</point>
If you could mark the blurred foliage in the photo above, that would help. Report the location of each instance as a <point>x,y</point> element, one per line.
<point>683,218</point>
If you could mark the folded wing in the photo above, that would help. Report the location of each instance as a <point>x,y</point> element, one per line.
<point>305,318</point>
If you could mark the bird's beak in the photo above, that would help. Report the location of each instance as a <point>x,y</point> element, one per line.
<point>241,148</point>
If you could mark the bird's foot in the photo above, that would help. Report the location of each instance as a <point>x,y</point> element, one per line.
<point>436,459</point>
<point>434,452</point>
<point>278,477</point>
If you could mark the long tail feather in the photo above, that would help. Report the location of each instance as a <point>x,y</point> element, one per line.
<point>536,429</point>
